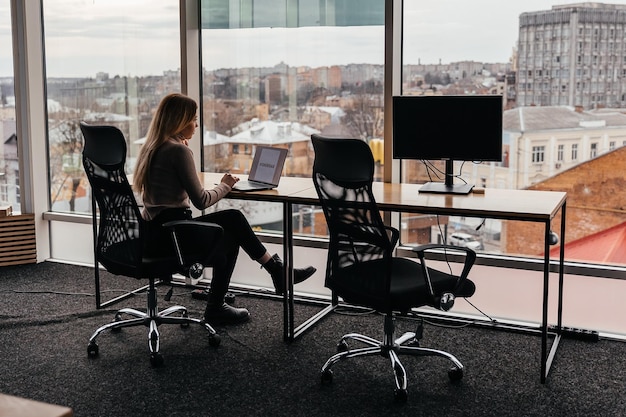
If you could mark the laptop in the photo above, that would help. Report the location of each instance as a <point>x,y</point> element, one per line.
<point>267,167</point>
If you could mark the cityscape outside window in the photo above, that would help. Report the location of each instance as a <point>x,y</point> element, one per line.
<point>275,74</point>
<point>107,62</point>
<point>550,103</point>
<point>9,167</point>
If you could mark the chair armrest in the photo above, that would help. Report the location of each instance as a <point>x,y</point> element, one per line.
<point>445,300</point>
<point>470,255</point>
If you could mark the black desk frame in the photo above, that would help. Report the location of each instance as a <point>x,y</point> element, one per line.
<point>291,332</point>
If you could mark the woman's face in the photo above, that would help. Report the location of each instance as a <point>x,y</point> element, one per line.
<point>190,129</point>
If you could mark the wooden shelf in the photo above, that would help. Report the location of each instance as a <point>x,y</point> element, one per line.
<point>17,240</point>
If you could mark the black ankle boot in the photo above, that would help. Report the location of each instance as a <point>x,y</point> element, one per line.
<point>222,313</point>
<point>275,267</point>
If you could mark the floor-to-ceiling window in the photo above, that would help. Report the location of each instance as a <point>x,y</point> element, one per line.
<point>106,62</point>
<point>9,164</point>
<point>317,66</point>
<point>276,71</point>
<point>531,54</point>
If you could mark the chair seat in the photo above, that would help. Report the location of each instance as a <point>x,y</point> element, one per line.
<point>162,268</point>
<point>364,284</point>
<point>120,258</point>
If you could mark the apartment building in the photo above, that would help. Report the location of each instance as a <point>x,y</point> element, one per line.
<point>574,55</point>
<point>545,141</point>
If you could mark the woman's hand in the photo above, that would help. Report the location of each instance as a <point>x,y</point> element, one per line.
<point>229,179</point>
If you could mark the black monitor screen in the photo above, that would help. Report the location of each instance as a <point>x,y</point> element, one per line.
<point>462,128</point>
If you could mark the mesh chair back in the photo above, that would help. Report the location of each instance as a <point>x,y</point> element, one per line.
<point>118,246</point>
<point>343,172</point>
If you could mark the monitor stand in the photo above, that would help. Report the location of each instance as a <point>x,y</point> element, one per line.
<point>448,187</point>
<point>442,188</point>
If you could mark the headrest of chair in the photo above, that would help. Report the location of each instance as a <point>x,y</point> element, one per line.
<point>104,145</point>
<point>343,159</point>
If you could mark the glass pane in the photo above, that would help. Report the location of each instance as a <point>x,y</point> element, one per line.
<point>278,85</point>
<point>564,128</point>
<point>107,62</point>
<point>9,166</point>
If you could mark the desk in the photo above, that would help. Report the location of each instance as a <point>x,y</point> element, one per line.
<point>285,194</point>
<point>521,205</point>
<point>11,406</point>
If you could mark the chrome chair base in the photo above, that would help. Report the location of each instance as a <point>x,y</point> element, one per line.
<point>151,319</point>
<point>407,344</point>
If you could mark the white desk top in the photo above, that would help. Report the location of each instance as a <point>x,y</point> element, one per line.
<point>493,203</point>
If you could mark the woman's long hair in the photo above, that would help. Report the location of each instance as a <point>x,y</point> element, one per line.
<point>174,113</point>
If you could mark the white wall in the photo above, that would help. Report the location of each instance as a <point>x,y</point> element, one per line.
<point>509,294</point>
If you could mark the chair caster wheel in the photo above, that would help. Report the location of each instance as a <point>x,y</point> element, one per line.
<point>214,340</point>
<point>184,324</point>
<point>327,376</point>
<point>156,359</point>
<point>414,343</point>
<point>117,329</point>
<point>455,374</point>
<point>400,395</point>
<point>342,346</point>
<point>92,350</point>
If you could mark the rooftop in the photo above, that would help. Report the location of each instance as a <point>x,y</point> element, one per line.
<point>526,119</point>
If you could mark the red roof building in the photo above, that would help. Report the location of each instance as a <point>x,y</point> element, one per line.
<point>596,213</point>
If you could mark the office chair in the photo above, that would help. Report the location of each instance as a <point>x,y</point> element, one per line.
<point>361,266</point>
<point>119,244</point>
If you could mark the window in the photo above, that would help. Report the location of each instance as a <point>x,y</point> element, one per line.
<point>542,79</point>
<point>295,71</point>
<point>593,152</point>
<point>9,164</point>
<point>538,154</point>
<point>275,74</point>
<point>101,68</point>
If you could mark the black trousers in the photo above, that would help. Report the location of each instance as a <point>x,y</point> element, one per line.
<point>237,234</point>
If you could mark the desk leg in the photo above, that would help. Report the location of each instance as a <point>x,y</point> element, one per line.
<point>544,316</point>
<point>547,358</point>
<point>290,332</point>
<point>288,308</point>
<point>561,265</point>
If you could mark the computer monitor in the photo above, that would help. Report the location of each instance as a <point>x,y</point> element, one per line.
<point>450,128</point>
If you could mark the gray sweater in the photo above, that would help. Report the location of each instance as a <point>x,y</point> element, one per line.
<point>173,182</point>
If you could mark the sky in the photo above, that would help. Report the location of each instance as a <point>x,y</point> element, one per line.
<point>79,44</point>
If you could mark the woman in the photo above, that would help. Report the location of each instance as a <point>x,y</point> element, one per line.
<point>167,179</point>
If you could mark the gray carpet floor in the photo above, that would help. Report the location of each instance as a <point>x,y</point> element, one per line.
<point>47,314</point>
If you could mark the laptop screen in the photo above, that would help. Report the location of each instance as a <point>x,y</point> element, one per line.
<point>267,165</point>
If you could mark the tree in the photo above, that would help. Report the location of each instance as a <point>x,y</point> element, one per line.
<point>364,118</point>
<point>69,148</point>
